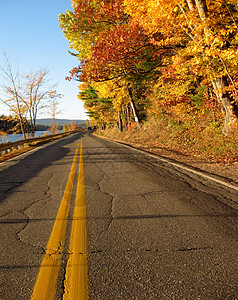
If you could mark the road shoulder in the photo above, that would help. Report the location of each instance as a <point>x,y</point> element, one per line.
<point>223,177</point>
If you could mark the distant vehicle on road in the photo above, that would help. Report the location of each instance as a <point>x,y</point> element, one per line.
<point>92,128</point>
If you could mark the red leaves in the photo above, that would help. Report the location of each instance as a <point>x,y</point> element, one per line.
<point>75,73</point>
<point>120,42</point>
<point>118,50</point>
<point>97,11</point>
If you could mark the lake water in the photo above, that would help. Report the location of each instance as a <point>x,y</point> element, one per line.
<point>19,136</point>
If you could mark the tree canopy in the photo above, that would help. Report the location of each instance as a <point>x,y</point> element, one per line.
<point>139,58</point>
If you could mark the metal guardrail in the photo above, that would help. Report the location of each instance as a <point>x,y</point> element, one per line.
<point>10,146</point>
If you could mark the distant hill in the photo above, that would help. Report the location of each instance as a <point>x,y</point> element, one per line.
<point>48,122</point>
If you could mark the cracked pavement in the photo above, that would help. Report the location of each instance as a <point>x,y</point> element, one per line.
<point>31,188</point>
<point>153,231</point>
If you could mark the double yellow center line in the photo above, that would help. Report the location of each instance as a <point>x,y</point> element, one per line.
<point>75,285</point>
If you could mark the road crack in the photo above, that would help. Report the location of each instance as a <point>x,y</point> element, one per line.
<point>194,249</point>
<point>28,220</point>
<point>112,198</point>
<point>186,249</point>
<point>5,188</point>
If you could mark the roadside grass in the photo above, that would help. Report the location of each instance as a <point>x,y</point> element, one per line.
<point>197,139</point>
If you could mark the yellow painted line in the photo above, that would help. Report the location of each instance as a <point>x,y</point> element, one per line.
<point>76,280</point>
<point>46,282</point>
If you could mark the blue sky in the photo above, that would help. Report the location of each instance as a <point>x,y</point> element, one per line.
<point>32,39</point>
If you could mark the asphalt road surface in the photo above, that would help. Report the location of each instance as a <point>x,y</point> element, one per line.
<point>149,230</point>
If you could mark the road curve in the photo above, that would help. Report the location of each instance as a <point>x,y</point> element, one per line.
<point>150,230</point>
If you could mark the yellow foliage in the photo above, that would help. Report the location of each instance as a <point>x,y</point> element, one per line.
<point>114,89</point>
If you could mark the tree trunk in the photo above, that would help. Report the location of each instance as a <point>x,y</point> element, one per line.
<point>128,117</point>
<point>225,102</point>
<point>191,4</point>
<point>34,123</point>
<point>22,127</point>
<point>133,108</point>
<point>202,9</point>
<point>103,125</point>
<point>20,119</point>
<point>120,122</point>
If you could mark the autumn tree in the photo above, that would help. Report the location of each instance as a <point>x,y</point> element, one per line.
<point>100,28</point>
<point>83,26</point>
<point>53,108</point>
<point>220,43</point>
<point>121,53</point>
<point>10,124</point>
<point>208,32</point>
<point>11,93</point>
<point>173,49</point>
<point>36,94</point>
<point>100,109</point>
<point>26,95</point>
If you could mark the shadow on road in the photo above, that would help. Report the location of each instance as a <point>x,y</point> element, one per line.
<point>20,172</point>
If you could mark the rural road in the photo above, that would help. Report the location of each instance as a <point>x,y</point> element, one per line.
<point>149,230</point>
